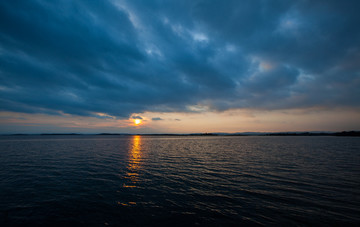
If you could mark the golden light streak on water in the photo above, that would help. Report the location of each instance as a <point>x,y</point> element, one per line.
<point>134,162</point>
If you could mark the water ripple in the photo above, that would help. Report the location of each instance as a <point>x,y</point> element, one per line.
<point>136,180</point>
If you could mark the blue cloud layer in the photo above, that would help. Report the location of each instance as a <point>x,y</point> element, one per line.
<point>124,57</point>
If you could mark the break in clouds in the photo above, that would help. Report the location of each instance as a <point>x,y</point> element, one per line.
<point>115,58</point>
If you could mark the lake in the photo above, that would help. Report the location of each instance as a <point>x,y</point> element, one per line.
<point>86,180</point>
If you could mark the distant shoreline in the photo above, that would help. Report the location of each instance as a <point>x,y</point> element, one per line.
<point>343,133</point>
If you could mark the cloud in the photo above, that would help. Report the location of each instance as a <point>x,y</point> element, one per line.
<point>119,58</point>
<point>157,119</point>
<point>137,117</point>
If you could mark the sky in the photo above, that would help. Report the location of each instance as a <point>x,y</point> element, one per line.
<point>179,66</point>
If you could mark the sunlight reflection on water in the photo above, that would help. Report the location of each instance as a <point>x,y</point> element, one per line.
<point>133,166</point>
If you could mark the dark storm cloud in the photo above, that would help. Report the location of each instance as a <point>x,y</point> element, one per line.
<point>157,119</point>
<point>115,58</point>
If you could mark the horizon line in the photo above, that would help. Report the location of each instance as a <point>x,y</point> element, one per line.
<point>350,132</point>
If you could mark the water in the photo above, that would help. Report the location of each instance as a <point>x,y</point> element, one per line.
<point>179,181</point>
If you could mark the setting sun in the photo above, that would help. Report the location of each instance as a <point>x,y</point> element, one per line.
<point>137,121</point>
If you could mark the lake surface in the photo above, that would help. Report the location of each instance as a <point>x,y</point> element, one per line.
<point>179,181</point>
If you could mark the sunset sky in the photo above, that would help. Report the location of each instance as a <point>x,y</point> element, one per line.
<point>179,66</point>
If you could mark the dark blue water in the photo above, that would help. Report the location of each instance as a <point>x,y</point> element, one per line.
<point>154,181</point>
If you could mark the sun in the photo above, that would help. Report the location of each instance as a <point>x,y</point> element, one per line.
<point>137,121</point>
